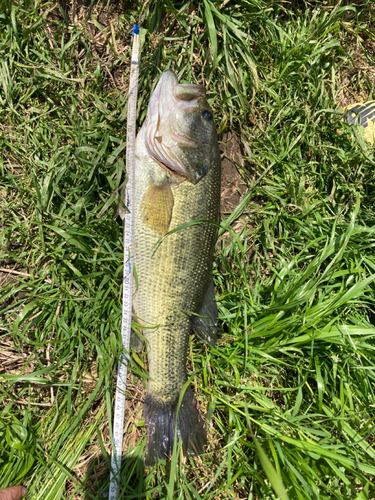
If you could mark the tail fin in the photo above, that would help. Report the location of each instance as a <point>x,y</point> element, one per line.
<point>160,419</point>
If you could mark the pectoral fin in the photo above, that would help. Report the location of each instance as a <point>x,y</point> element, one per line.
<point>157,207</point>
<point>120,210</point>
<point>206,324</point>
<point>136,341</point>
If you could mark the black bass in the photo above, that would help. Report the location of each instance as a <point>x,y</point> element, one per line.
<point>177,180</point>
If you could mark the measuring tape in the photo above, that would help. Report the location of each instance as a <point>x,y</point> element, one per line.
<point>127,294</point>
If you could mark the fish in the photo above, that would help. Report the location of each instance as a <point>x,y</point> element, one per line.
<point>177,183</point>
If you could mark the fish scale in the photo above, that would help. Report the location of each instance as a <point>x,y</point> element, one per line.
<point>173,276</point>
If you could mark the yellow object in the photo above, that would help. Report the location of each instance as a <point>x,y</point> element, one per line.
<point>363,114</point>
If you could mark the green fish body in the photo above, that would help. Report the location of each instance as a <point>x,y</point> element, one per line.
<point>177,181</point>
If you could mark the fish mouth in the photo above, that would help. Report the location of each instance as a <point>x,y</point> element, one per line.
<point>187,141</point>
<point>173,165</point>
<point>179,175</point>
<point>170,170</point>
<point>165,157</point>
<point>160,138</point>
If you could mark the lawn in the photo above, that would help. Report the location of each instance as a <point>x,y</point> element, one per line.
<point>288,393</point>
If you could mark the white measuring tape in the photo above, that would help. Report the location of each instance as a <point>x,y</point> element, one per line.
<point>118,420</point>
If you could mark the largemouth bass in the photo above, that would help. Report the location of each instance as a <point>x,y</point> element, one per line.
<point>177,180</point>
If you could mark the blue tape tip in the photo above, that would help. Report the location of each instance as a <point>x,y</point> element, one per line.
<point>135,30</point>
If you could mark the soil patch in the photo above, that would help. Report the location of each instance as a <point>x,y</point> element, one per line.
<point>358,81</point>
<point>232,184</point>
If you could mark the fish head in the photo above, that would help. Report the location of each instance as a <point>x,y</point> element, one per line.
<point>180,129</point>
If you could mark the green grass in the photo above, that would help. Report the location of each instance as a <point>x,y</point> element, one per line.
<point>289,390</point>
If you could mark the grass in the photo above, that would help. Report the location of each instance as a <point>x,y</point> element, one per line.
<point>289,390</point>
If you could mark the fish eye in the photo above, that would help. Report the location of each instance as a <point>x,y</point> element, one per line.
<point>207,115</point>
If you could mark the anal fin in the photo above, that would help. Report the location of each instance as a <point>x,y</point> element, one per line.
<point>206,323</point>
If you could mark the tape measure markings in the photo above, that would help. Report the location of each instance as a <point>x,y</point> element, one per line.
<point>119,413</point>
